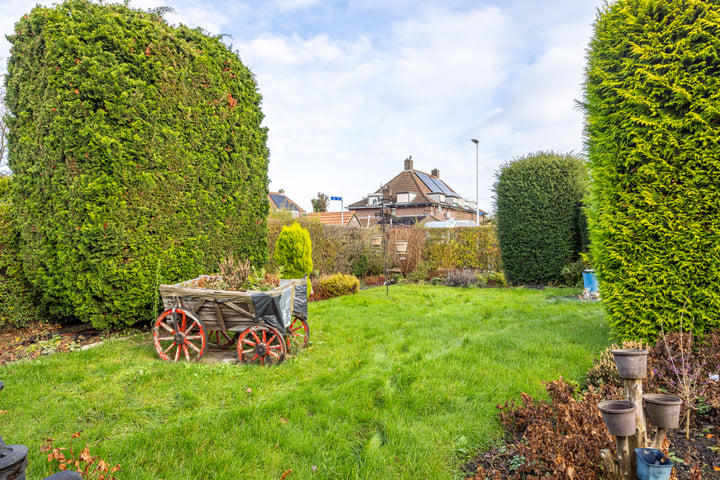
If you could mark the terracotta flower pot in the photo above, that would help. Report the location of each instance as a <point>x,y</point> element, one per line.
<point>663,410</point>
<point>631,364</point>
<point>619,417</point>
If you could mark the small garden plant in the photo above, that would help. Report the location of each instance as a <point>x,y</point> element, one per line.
<point>238,275</point>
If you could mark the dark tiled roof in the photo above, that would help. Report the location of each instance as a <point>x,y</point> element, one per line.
<point>414,181</point>
<point>279,201</point>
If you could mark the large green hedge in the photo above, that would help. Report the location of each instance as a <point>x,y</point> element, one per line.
<point>539,215</point>
<point>137,153</point>
<point>652,104</point>
<point>18,304</point>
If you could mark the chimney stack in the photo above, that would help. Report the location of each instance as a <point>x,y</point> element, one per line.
<point>435,172</point>
<point>281,191</point>
<point>409,163</point>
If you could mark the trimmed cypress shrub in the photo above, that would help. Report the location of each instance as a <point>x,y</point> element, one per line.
<point>538,204</point>
<point>138,157</point>
<point>18,305</point>
<point>293,251</point>
<point>652,92</point>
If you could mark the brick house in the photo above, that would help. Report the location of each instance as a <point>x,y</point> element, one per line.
<point>414,196</point>
<point>279,201</point>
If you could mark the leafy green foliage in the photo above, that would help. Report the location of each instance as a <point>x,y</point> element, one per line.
<point>138,157</point>
<point>18,305</point>
<point>335,286</point>
<point>652,123</point>
<point>320,203</point>
<point>293,251</point>
<point>539,200</point>
<point>474,248</point>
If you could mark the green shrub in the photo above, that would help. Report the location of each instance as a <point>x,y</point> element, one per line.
<point>335,249</point>
<point>652,125</point>
<point>467,247</point>
<point>293,252</point>
<point>335,286</point>
<point>18,303</point>
<point>538,204</point>
<point>359,265</point>
<point>493,279</point>
<point>138,157</point>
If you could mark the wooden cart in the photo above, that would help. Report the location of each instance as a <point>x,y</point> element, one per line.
<point>263,326</point>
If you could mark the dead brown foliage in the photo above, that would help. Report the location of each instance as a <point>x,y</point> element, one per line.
<point>90,467</point>
<point>561,437</point>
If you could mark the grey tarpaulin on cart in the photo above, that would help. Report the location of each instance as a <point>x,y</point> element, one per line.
<point>300,305</point>
<point>275,310</point>
<point>267,309</point>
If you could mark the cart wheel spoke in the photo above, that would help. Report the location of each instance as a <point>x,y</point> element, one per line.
<point>298,335</point>
<point>261,344</point>
<point>189,341</point>
<point>167,327</point>
<point>221,339</point>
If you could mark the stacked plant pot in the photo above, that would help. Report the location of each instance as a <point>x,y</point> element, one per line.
<point>625,420</point>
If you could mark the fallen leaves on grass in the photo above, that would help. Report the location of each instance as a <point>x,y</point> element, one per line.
<point>91,467</point>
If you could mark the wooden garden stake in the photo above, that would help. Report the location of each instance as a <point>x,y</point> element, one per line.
<point>659,438</point>
<point>634,393</point>
<point>620,468</point>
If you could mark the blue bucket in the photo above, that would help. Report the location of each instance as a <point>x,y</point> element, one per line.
<point>652,464</point>
<point>590,280</point>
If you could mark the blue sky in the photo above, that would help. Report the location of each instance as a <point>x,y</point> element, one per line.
<point>352,88</point>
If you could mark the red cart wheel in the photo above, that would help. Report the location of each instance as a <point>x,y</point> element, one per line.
<point>178,334</point>
<point>220,339</point>
<point>298,334</point>
<point>262,345</point>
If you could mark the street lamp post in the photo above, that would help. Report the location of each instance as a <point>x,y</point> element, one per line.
<point>477,199</point>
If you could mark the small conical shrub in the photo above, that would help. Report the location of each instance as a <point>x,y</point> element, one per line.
<point>293,251</point>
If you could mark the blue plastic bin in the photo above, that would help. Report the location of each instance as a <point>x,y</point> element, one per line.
<point>590,280</point>
<point>652,464</point>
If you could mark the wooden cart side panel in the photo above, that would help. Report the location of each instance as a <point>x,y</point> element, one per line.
<point>236,296</point>
<point>208,312</point>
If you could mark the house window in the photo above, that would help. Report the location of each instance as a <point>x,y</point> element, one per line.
<point>405,197</point>
<point>373,200</point>
<point>437,197</point>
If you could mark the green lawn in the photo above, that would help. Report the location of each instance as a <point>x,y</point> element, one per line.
<point>392,387</point>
